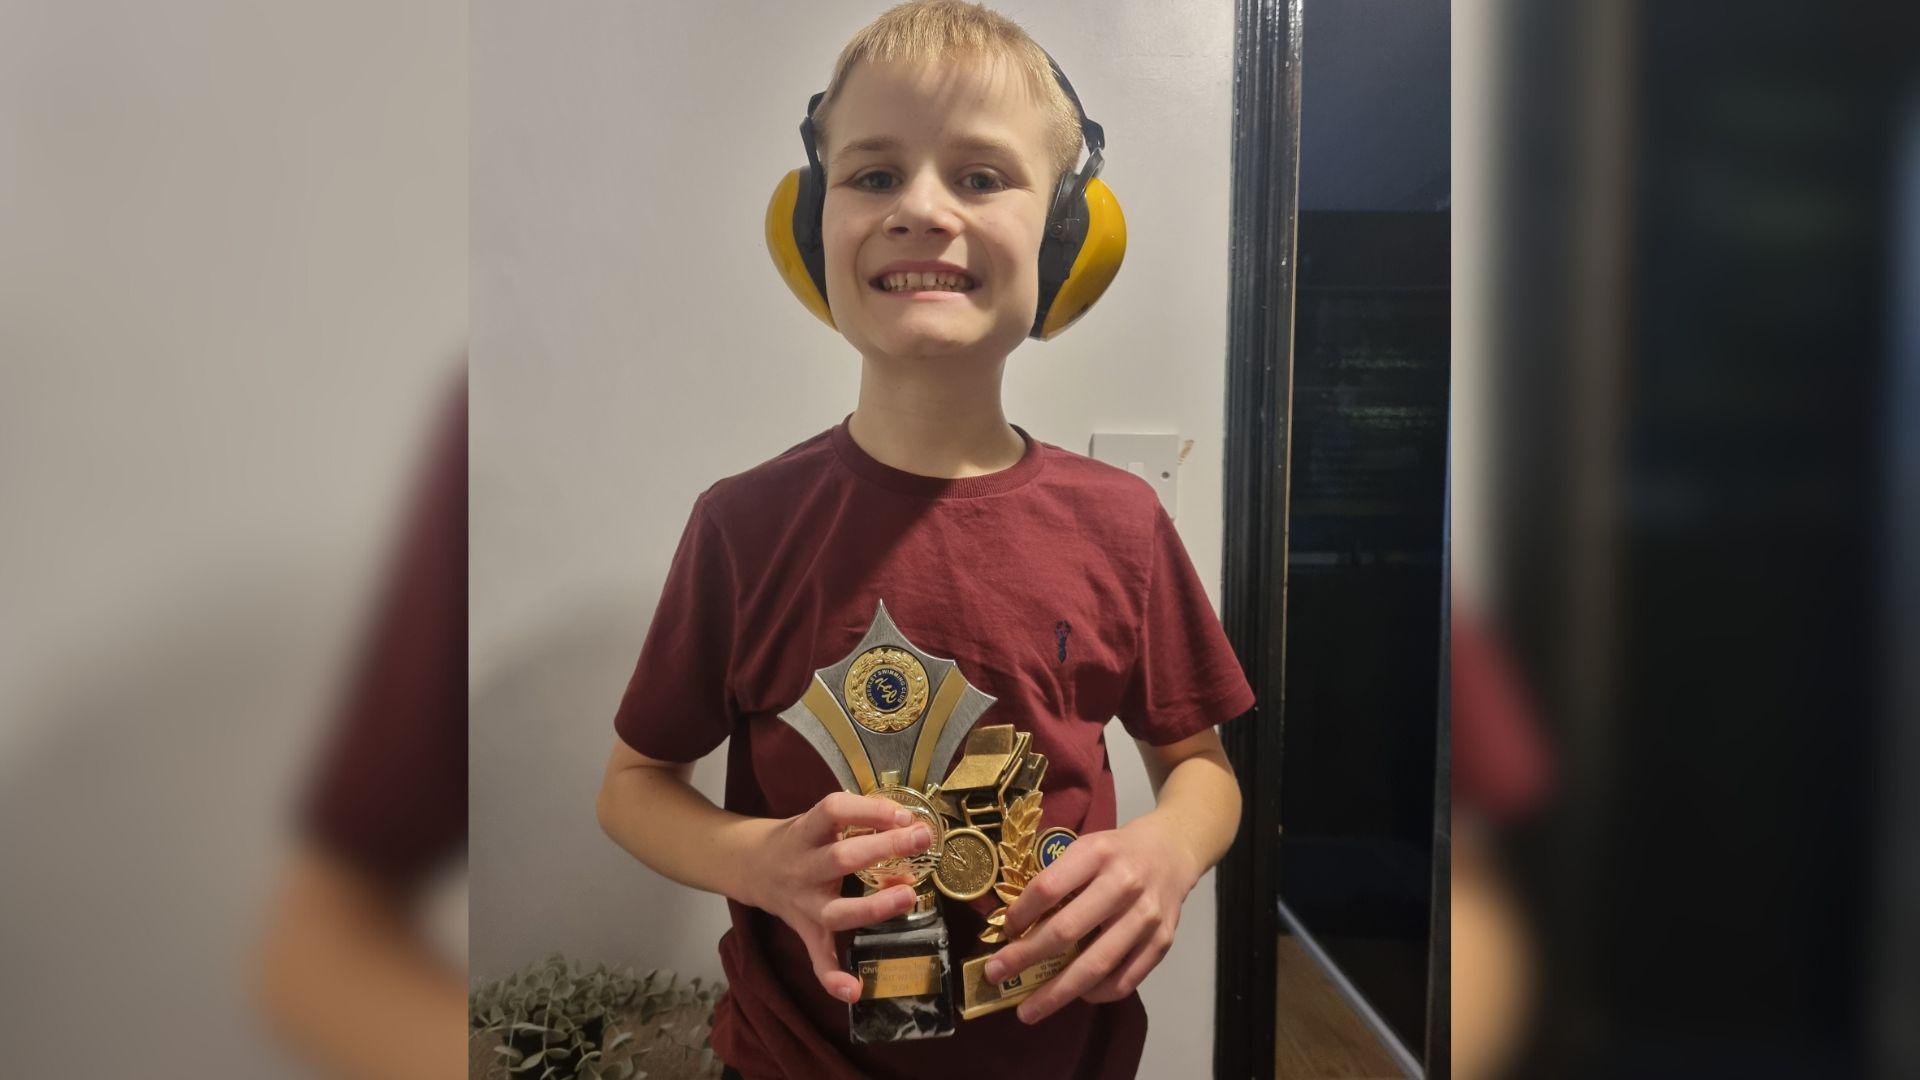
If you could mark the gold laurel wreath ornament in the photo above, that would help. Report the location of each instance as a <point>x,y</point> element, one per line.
<point>1018,863</point>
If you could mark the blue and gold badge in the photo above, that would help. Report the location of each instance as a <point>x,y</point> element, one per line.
<point>886,689</point>
<point>1052,844</point>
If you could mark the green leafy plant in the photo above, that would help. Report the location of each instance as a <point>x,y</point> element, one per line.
<point>560,1022</point>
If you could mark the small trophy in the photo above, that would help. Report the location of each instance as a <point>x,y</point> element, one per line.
<point>994,792</point>
<point>885,719</point>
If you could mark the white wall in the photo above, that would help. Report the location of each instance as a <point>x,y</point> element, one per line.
<point>631,344</point>
<point>232,296</point>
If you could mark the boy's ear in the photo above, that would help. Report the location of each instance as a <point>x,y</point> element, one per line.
<point>793,240</point>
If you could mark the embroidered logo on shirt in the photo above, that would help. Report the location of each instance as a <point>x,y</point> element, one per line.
<point>1060,631</point>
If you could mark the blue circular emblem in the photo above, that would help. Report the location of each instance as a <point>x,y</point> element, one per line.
<point>1052,844</point>
<point>887,689</point>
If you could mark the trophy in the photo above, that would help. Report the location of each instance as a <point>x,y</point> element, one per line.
<point>886,719</point>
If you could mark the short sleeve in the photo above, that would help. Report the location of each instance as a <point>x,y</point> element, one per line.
<point>678,704</point>
<point>1502,766</point>
<point>1185,677</point>
<point>390,795</point>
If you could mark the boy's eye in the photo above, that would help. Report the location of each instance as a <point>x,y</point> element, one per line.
<point>886,181</point>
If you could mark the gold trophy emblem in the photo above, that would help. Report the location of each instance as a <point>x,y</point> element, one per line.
<point>887,689</point>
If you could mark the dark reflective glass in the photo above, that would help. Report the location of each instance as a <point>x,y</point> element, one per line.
<point>1368,473</point>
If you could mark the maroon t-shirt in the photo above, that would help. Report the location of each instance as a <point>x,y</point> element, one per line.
<point>1060,588</point>
<point>391,793</point>
<point>1502,768</point>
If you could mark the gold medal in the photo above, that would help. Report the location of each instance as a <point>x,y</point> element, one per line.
<point>968,863</point>
<point>904,869</point>
<point>886,689</point>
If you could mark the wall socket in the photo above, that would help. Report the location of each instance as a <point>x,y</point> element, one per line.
<point>1153,458</point>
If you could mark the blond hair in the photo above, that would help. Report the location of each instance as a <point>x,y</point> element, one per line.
<point>930,31</point>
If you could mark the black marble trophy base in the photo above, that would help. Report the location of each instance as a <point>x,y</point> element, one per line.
<point>903,969</point>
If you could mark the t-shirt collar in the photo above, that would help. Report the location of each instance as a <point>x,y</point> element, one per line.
<point>873,470</point>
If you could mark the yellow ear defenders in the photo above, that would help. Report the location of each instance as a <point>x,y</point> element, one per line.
<point>1080,252</point>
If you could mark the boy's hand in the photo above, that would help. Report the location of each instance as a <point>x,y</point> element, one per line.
<point>1132,881</point>
<point>801,864</point>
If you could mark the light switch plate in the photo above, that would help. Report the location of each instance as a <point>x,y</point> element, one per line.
<point>1153,458</point>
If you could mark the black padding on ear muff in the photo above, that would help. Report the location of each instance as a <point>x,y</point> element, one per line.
<point>809,206</point>
<point>1066,227</point>
<point>1066,232</point>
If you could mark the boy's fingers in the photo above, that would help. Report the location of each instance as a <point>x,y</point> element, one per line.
<point>854,912</point>
<point>1126,978</point>
<point>826,964</point>
<point>843,857</point>
<point>833,814</point>
<point>1091,908</point>
<point>1046,890</point>
<point>1087,970</point>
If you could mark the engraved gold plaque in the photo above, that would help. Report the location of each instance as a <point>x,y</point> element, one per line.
<point>968,864</point>
<point>980,997</point>
<point>886,689</point>
<point>900,976</point>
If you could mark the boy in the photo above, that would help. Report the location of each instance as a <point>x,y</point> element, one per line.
<point>1056,582</point>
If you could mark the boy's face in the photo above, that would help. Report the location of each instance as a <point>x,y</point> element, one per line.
<point>937,186</point>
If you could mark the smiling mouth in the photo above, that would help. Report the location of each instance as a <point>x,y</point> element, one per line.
<point>929,281</point>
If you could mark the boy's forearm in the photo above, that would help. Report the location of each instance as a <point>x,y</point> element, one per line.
<point>1198,805</point>
<point>662,820</point>
<point>345,980</point>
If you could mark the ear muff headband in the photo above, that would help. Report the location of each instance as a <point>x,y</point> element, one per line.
<point>1080,251</point>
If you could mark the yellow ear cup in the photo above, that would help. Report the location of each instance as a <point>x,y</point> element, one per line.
<point>786,251</point>
<point>1095,266</point>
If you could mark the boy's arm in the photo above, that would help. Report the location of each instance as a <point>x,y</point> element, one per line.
<point>651,808</point>
<point>341,973</point>
<point>789,867</point>
<point>1131,881</point>
<point>1195,794</point>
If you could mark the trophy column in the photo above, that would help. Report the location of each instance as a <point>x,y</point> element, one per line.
<point>903,967</point>
<point>903,963</point>
<point>885,719</point>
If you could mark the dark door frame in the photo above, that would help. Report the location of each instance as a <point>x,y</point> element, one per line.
<point>1266,173</point>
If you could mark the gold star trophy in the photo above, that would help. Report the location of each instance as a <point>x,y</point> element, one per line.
<point>886,718</point>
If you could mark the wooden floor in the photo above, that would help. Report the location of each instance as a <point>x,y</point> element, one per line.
<point>1317,1035</point>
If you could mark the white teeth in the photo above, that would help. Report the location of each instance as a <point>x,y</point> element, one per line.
<point>912,280</point>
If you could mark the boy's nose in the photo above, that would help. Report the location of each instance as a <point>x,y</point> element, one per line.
<point>925,206</point>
